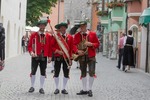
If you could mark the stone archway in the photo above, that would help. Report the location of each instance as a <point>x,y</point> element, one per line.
<point>135,29</point>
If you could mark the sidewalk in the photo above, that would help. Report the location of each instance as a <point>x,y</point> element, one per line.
<point>110,84</point>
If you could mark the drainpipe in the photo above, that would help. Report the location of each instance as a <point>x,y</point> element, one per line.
<point>147,43</point>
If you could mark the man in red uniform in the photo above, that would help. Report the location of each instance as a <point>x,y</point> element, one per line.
<point>39,49</point>
<point>60,57</point>
<point>86,43</point>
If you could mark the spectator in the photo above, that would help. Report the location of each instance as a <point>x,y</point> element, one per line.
<point>2,47</point>
<point>120,49</point>
<point>128,55</point>
<point>23,44</point>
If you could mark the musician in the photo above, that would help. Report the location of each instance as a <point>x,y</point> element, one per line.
<point>2,47</point>
<point>86,43</point>
<point>60,57</point>
<point>39,49</point>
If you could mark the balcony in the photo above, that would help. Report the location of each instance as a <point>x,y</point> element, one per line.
<point>105,20</point>
<point>102,13</point>
<point>115,4</point>
<point>132,0</point>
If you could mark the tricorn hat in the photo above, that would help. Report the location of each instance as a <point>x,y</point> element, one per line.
<point>61,24</point>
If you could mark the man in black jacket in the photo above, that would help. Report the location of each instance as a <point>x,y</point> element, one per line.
<point>2,47</point>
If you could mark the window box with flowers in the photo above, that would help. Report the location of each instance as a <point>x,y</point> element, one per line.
<point>132,0</point>
<point>102,13</point>
<point>115,4</point>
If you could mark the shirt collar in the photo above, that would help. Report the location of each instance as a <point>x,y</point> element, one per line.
<point>63,34</point>
<point>41,32</point>
<point>85,32</point>
<point>130,36</point>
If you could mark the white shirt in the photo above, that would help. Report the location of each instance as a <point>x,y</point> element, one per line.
<point>87,32</point>
<point>125,38</point>
<point>65,34</point>
<point>41,32</point>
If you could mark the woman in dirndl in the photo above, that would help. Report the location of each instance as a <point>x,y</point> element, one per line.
<point>128,55</point>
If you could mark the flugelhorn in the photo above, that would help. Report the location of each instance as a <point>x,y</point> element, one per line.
<point>80,46</point>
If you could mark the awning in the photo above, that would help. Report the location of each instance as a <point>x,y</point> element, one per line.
<point>145,17</point>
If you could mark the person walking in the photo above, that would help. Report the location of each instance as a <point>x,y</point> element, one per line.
<point>23,44</point>
<point>40,49</point>
<point>2,48</point>
<point>128,55</point>
<point>120,49</point>
<point>86,43</point>
<point>60,57</point>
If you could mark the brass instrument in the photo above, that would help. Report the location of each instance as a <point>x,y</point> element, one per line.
<point>81,46</point>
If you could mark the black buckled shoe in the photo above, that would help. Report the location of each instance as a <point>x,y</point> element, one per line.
<point>41,91</point>
<point>90,94</point>
<point>64,91</point>
<point>82,92</point>
<point>31,90</point>
<point>56,91</point>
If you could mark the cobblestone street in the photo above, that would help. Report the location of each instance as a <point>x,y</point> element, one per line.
<point>110,84</point>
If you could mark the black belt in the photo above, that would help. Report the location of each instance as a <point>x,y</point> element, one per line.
<point>128,45</point>
<point>59,58</point>
<point>41,58</point>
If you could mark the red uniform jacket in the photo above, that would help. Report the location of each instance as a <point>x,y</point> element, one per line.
<point>35,38</point>
<point>55,46</point>
<point>92,37</point>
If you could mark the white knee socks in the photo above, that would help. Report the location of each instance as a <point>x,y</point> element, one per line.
<point>42,79</point>
<point>32,80</point>
<point>56,81</point>
<point>84,83</point>
<point>65,80</point>
<point>91,80</point>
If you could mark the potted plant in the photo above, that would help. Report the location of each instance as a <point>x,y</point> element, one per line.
<point>115,4</point>
<point>102,13</point>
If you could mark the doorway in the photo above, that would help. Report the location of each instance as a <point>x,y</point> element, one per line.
<point>134,29</point>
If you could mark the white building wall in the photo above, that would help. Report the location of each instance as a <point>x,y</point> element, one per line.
<point>13,16</point>
<point>143,48</point>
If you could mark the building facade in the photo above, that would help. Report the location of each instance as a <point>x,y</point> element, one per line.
<point>134,10</point>
<point>76,10</point>
<point>13,16</point>
<point>113,19</point>
<point>120,16</point>
<point>57,14</point>
<point>94,18</point>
